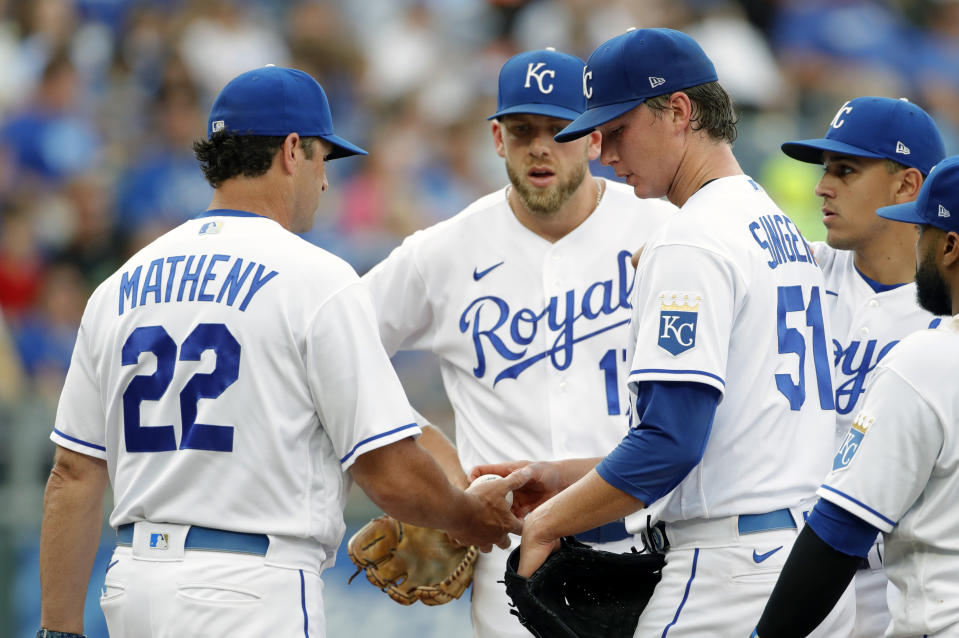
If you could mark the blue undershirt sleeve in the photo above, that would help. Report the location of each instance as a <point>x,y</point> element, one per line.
<point>675,418</point>
<point>842,531</point>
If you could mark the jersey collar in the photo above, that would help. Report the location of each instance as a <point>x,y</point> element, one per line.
<point>227,212</point>
<point>875,285</point>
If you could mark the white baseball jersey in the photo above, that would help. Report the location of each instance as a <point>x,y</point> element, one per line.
<point>530,334</point>
<point>896,470</point>
<point>230,373</point>
<point>865,326</point>
<point>729,295</point>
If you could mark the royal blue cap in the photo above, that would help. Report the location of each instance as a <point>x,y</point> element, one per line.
<point>543,82</point>
<point>937,203</point>
<point>877,127</point>
<point>639,64</point>
<point>276,101</point>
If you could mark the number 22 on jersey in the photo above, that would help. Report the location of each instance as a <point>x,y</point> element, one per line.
<point>791,341</point>
<point>195,436</point>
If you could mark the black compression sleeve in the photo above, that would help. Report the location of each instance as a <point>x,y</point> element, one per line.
<point>812,581</point>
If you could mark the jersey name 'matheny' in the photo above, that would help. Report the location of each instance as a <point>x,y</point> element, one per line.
<point>218,278</point>
<point>510,333</point>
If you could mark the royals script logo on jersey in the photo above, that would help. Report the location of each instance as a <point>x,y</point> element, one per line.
<point>573,317</point>
<point>853,440</point>
<point>678,314</point>
<point>854,363</point>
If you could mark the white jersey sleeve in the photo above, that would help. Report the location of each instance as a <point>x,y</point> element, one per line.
<point>351,378</point>
<point>400,289</point>
<point>80,416</point>
<point>692,322</point>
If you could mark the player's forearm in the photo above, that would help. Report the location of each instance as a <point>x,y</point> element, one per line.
<point>443,450</point>
<point>587,503</point>
<point>409,485</point>
<point>573,470</point>
<point>72,517</point>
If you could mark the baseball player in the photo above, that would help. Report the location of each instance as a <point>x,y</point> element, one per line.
<point>895,472</point>
<point>224,380</point>
<point>730,380</point>
<point>876,152</point>
<point>525,298</point>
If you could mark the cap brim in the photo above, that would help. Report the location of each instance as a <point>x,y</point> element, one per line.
<point>341,148</point>
<point>811,151</point>
<point>550,110</point>
<point>588,121</point>
<point>907,213</point>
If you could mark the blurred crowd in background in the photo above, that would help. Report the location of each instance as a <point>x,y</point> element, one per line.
<point>101,99</point>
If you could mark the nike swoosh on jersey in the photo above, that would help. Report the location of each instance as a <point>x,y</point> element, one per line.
<point>761,557</point>
<point>479,274</point>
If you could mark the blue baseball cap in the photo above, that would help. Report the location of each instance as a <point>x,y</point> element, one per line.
<point>937,203</point>
<point>543,82</point>
<point>273,100</point>
<point>639,64</point>
<point>877,127</point>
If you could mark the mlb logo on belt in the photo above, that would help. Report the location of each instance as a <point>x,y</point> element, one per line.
<point>678,314</point>
<point>850,444</point>
<point>159,541</point>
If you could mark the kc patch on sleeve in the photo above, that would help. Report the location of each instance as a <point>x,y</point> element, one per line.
<point>853,440</point>
<point>678,314</point>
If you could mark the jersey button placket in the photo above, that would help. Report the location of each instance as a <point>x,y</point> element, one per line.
<point>552,286</point>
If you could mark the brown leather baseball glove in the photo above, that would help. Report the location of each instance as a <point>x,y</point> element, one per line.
<point>411,563</point>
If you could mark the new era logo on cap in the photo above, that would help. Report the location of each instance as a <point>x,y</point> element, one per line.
<point>901,148</point>
<point>943,211</point>
<point>654,81</point>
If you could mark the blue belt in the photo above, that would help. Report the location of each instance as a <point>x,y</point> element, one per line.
<point>615,531</point>
<point>211,540</point>
<point>753,523</point>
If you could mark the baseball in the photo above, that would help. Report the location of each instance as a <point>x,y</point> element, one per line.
<point>490,477</point>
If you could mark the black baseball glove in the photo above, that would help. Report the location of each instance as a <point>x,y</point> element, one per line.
<point>581,592</point>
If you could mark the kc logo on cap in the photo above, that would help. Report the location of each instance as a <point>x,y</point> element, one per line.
<point>536,71</point>
<point>542,82</point>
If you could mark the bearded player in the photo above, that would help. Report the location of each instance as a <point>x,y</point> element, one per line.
<point>525,298</point>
